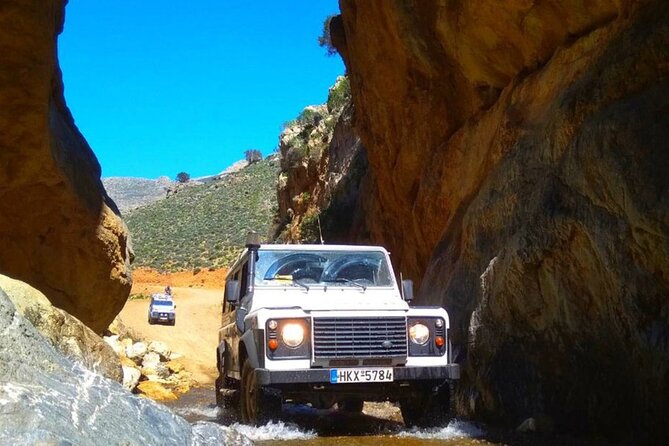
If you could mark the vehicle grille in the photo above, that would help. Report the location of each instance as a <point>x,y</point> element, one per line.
<point>360,337</point>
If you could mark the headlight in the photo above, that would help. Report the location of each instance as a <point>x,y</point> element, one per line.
<point>292,335</point>
<point>419,333</point>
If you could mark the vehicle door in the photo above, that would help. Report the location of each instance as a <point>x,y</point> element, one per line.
<point>229,332</point>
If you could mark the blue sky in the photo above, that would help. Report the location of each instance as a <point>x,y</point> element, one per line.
<point>159,87</point>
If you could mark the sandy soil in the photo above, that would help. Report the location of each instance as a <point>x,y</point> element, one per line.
<point>203,278</point>
<point>195,334</point>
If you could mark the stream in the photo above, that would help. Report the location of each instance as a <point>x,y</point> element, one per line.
<point>380,424</point>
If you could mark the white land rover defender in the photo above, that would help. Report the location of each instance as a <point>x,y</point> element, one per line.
<point>325,324</point>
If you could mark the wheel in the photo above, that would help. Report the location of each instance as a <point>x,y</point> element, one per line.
<point>150,321</point>
<point>351,406</point>
<point>255,405</point>
<point>173,322</point>
<point>428,408</point>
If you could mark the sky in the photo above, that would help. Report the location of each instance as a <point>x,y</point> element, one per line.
<point>161,87</point>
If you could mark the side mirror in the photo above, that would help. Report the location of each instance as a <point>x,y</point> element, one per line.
<point>407,290</point>
<point>232,291</point>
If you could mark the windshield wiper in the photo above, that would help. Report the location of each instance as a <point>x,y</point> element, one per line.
<point>342,280</point>
<point>302,284</point>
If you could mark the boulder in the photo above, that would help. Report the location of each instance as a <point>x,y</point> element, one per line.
<point>49,399</point>
<point>150,360</point>
<point>65,332</point>
<point>136,351</point>
<point>131,377</point>
<point>160,348</point>
<point>115,344</point>
<point>156,370</point>
<point>59,231</point>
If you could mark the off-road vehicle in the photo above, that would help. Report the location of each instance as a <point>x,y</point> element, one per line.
<point>162,309</point>
<point>326,325</point>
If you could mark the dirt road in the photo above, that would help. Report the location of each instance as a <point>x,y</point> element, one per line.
<point>195,334</point>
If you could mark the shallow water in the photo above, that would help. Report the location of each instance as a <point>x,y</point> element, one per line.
<point>302,425</point>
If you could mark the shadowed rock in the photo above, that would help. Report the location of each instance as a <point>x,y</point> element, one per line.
<point>65,332</point>
<point>46,398</point>
<point>59,231</point>
<point>518,157</point>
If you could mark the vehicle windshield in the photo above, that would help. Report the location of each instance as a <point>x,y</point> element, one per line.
<point>162,303</point>
<point>324,268</point>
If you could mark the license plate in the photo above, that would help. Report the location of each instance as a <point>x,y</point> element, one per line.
<point>339,376</point>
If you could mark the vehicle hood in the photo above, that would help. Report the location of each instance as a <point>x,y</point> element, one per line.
<point>332,300</point>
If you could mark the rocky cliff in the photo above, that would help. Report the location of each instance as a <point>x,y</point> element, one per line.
<point>323,168</point>
<point>58,229</point>
<point>519,171</point>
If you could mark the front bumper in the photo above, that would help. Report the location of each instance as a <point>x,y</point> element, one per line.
<point>267,377</point>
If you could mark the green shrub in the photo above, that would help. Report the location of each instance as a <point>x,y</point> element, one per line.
<point>340,95</point>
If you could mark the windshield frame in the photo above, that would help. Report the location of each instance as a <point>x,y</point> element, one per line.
<point>365,257</point>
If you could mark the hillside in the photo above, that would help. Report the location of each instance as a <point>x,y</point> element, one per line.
<point>204,225</point>
<point>130,193</point>
<point>323,165</point>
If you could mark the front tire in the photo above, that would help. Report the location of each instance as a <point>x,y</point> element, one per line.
<point>255,406</point>
<point>428,408</point>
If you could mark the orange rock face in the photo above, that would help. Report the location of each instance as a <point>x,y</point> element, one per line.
<point>58,229</point>
<point>520,173</point>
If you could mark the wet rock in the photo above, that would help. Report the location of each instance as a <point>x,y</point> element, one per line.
<point>65,332</point>
<point>131,377</point>
<point>49,399</point>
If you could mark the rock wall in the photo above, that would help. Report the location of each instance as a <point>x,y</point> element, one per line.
<point>323,169</point>
<point>58,229</point>
<point>520,174</point>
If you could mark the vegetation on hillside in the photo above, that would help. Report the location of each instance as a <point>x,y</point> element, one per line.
<point>304,146</point>
<point>204,226</point>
